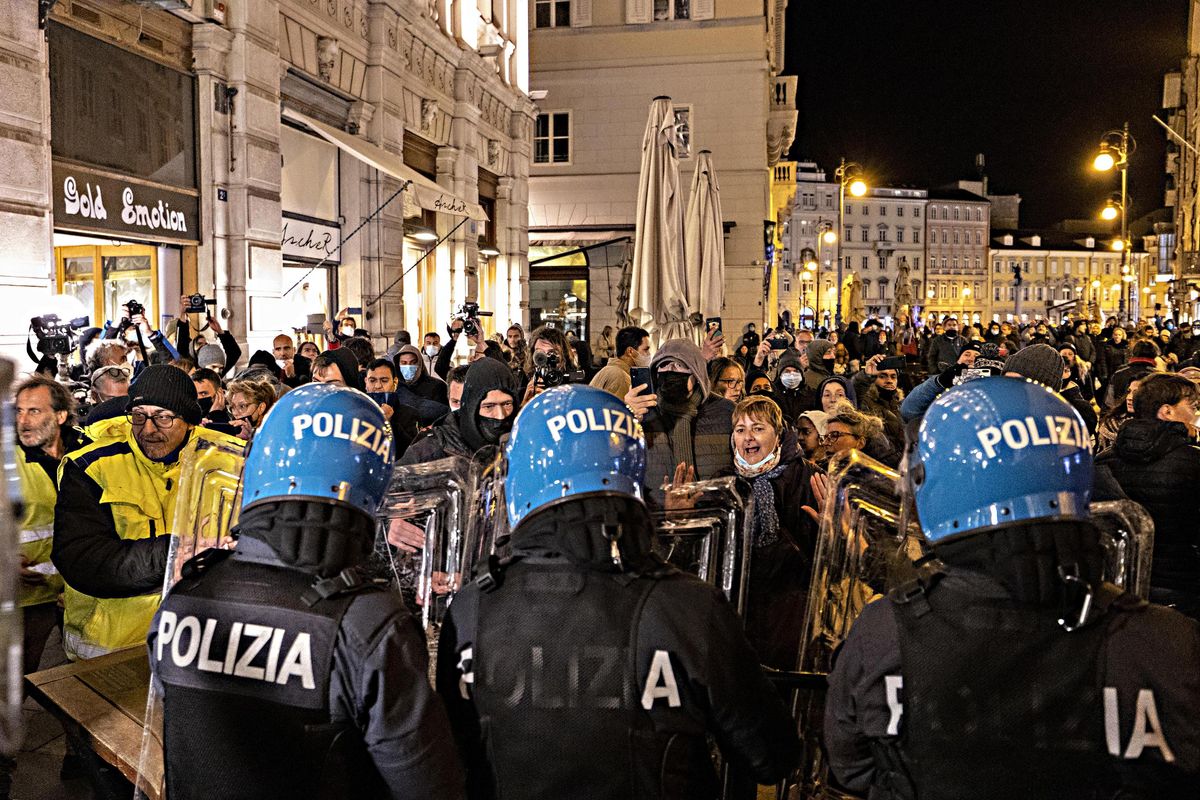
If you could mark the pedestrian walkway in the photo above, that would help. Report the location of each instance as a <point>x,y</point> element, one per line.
<point>45,743</point>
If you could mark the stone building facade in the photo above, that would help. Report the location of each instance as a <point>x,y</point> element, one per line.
<point>275,130</point>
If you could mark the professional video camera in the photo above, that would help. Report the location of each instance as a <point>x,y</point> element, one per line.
<point>547,370</point>
<point>55,336</point>
<point>469,313</point>
<point>198,304</point>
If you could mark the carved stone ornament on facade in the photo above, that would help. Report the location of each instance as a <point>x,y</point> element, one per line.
<point>327,57</point>
<point>331,7</point>
<point>493,152</point>
<point>363,30</point>
<point>429,109</point>
<point>391,40</point>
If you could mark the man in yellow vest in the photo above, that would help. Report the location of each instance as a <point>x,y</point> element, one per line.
<point>45,413</point>
<point>116,503</point>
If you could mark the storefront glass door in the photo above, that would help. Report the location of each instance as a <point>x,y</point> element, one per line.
<point>124,272</point>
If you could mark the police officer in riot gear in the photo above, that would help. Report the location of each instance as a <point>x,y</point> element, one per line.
<point>1007,667</point>
<point>284,673</point>
<point>585,666</point>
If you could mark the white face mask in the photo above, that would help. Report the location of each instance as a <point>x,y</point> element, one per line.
<point>790,380</point>
<point>432,350</point>
<point>642,360</point>
<point>749,470</point>
<point>347,330</point>
<point>282,362</point>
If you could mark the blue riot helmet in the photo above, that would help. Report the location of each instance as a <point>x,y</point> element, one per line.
<point>998,451</point>
<point>320,442</point>
<point>572,441</point>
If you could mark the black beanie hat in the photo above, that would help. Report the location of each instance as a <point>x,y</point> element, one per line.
<point>168,387</point>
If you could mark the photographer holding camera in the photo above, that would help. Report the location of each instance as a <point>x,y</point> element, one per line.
<point>465,321</point>
<point>553,362</point>
<point>185,343</point>
<point>134,332</point>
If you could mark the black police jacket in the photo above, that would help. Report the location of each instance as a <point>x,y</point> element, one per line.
<point>1121,696</point>
<point>567,681</point>
<point>330,700</point>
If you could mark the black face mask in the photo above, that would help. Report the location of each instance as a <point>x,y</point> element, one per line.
<point>493,429</point>
<point>672,387</point>
<point>206,404</point>
<point>951,334</point>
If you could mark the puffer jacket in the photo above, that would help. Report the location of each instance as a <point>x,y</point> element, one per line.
<point>1157,464</point>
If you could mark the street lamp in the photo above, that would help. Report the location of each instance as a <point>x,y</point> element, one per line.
<point>805,276</point>
<point>966,302</point>
<point>1115,148</point>
<point>827,236</point>
<point>847,176</point>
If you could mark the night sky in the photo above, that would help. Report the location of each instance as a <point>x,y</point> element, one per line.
<point>913,91</point>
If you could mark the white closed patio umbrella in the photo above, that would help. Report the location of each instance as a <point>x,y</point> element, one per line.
<point>704,242</point>
<point>658,300</point>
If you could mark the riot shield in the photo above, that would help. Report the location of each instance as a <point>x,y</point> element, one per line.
<point>487,530</point>
<point>705,530</point>
<point>10,615</point>
<point>207,502</point>
<point>866,546</point>
<point>419,541</point>
<point>1127,536</point>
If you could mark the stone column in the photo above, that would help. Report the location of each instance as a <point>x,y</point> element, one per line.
<point>246,258</point>
<point>26,229</point>
<point>520,131</point>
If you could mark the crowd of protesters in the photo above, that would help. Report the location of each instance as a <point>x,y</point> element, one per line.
<point>769,409</point>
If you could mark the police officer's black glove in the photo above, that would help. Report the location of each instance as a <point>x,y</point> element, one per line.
<point>946,378</point>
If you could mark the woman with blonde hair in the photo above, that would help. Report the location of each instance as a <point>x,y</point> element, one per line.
<point>248,402</point>
<point>849,429</point>
<point>788,490</point>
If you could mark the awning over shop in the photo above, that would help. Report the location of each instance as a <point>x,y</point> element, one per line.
<point>427,193</point>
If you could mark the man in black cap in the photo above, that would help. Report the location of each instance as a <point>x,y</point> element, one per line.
<point>112,519</point>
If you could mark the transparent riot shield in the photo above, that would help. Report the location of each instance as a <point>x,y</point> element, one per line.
<point>487,528</point>
<point>10,614</point>
<point>206,509</point>
<point>705,530</point>
<point>1127,536</point>
<point>866,546</point>
<point>419,543</point>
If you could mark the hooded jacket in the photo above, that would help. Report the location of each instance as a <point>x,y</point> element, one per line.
<point>348,366</point>
<point>818,369</point>
<point>424,385</point>
<point>793,402</point>
<point>1158,465</point>
<point>458,433</point>
<point>847,386</point>
<point>711,427</point>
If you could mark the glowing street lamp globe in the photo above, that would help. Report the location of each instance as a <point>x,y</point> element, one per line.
<point>858,187</point>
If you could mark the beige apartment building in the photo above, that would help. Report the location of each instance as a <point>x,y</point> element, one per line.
<point>231,149</point>
<point>596,65</point>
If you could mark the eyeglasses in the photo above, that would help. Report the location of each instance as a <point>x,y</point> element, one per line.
<point>833,436</point>
<point>239,408</point>
<point>118,371</point>
<point>162,420</point>
<point>731,382</point>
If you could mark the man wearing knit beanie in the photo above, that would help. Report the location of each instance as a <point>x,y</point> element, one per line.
<point>115,509</point>
<point>1040,363</point>
<point>212,357</point>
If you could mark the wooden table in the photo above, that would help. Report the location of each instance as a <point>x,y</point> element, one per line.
<point>103,701</point>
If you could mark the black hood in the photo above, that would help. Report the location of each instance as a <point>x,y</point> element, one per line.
<point>1143,441</point>
<point>483,376</point>
<point>348,365</point>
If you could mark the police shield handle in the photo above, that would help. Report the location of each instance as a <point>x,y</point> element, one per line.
<point>640,401</point>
